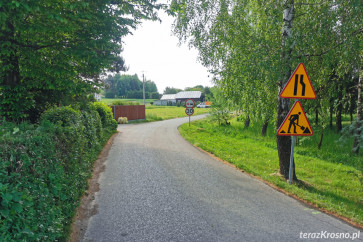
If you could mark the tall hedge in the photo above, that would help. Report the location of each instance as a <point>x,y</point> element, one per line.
<point>44,170</point>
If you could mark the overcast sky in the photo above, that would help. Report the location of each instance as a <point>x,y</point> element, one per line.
<point>153,49</point>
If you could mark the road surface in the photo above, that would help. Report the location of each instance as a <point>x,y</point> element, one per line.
<point>158,187</point>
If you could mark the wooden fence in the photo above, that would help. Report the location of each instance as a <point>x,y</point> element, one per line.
<point>132,112</point>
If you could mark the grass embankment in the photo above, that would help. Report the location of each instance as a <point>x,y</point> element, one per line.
<point>157,113</point>
<point>331,178</point>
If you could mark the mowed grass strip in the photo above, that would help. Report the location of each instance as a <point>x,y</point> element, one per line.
<point>157,113</point>
<point>326,182</point>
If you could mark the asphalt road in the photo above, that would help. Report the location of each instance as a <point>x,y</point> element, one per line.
<point>158,187</point>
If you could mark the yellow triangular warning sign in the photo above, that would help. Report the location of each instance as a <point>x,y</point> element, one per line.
<point>296,123</point>
<point>299,85</point>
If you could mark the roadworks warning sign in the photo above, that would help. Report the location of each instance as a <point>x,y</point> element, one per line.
<point>296,123</point>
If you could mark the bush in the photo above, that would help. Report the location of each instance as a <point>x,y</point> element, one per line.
<point>106,116</point>
<point>93,127</point>
<point>122,103</point>
<point>122,120</point>
<point>44,170</point>
<point>63,116</point>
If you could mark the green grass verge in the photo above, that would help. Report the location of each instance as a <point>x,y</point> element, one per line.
<point>331,177</point>
<point>157,113</point>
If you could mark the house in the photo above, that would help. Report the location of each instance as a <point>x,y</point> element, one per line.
<point>166,100</point>
<point>181,97</point>
<point>98,97</point>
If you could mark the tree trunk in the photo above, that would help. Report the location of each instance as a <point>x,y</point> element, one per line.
<point>321,139</point>
<point>331,110</point>
<point>316,115</point>
<point>339,109</point>
<point>264,128</point>
<point>284,142</point>
<point>11,81</point>
<point>247,122</point>
<point>358,130</point>
<point>351,107</point>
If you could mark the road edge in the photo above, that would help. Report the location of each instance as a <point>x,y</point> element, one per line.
<point>86,208</point>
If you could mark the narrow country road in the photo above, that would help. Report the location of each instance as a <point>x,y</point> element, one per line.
<point>158,187</point>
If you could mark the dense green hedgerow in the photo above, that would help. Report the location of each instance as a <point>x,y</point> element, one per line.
<point>44,170</point>
<point>106,116</point>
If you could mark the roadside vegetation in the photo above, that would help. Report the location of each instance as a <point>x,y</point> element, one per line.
<point>158,113</point>
<point>53,55</point>
<point>251,48</point>
<point>45,167</point>
<point>330,177</point>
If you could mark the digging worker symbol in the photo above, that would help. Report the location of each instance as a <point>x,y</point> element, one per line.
<point>294,121</point>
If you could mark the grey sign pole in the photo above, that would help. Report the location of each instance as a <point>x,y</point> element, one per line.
<point>292,157</point>
<point>291,160</point>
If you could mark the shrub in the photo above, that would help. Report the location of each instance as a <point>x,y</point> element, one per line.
<point>31,185</point>
<point>69,134</point>
<point>122,103</point>
<point>44,171</point>
<point>106,116</point>
<point>93,127</point>
<point>64,116</point>
<point>122,120</point>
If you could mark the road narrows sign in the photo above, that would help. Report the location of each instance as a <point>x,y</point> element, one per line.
<point>296,123</point>
<point>299,85</point>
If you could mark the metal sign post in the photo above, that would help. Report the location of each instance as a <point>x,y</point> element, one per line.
<point>189,108</point>
<point>291,160</point>
<point>296,122</point>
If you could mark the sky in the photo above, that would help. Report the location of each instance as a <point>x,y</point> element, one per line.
<point>154,51</point>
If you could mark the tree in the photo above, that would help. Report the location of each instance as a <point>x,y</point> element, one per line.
<point>358,123</point>
<point>220,109</point>
<point>51,51</point>
<point>171,90</point>
<point>150,86</point>
<point>129,86</point>
<point>287,42</point>
<point>251,47</point>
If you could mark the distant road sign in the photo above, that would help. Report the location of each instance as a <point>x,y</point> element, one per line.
<point>189,111</point>
<point>296,123</point>
<point>189,103</point>
<point>299,85</point>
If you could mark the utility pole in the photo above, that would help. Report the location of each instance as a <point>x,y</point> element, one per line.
<point>143,87</point>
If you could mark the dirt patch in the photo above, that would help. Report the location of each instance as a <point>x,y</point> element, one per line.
<point>87,207</point>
